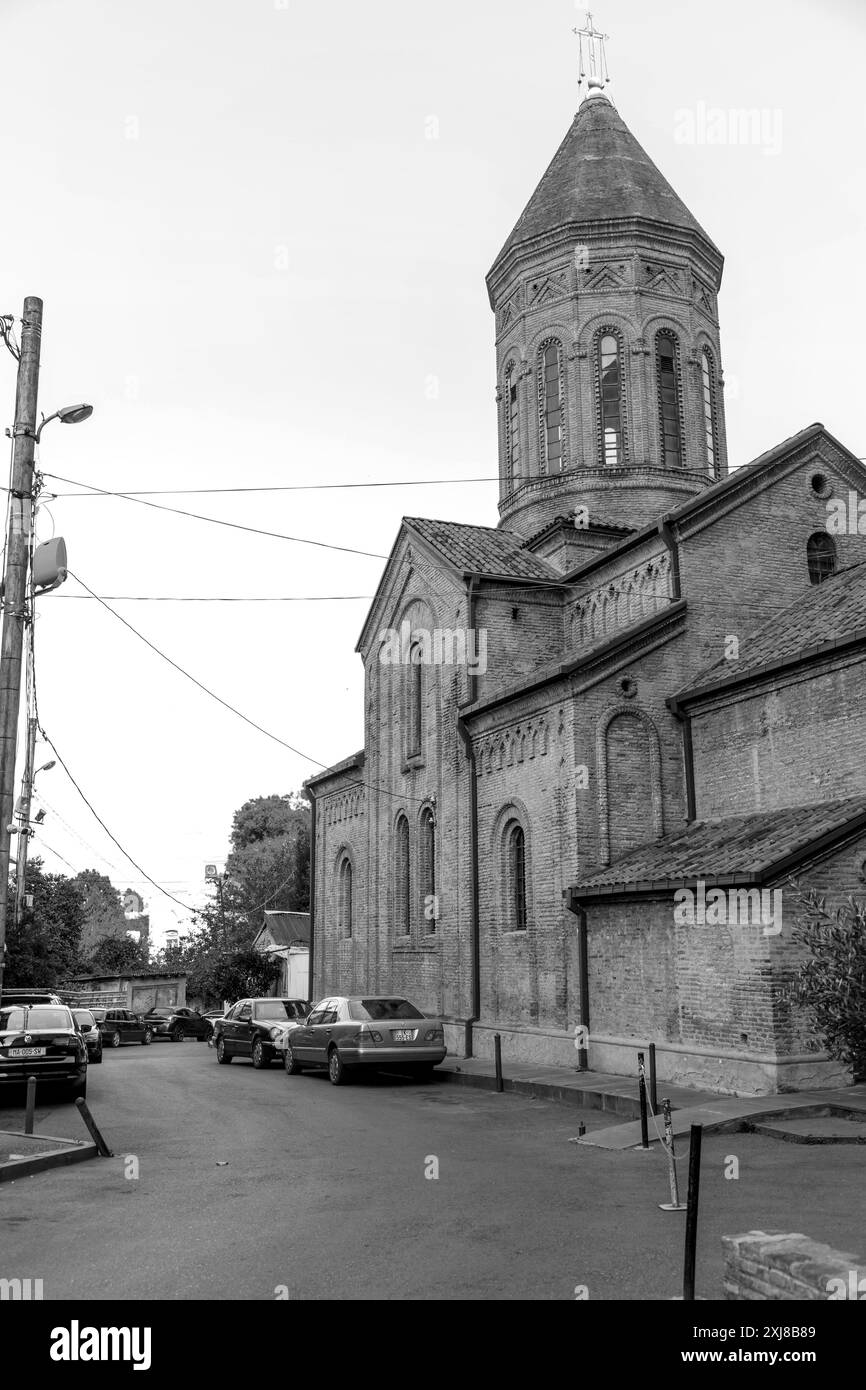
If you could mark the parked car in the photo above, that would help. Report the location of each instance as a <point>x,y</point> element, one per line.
<point>92,1036</point>
<point>252,1026</point>
<point>366,1030</point>
<point>122,1026</point>
<point>42,1040</point>
<point>29,996</point>
<point>212,1015</point>
<point>177,1024</point>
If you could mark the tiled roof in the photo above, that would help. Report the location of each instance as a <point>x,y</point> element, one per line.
<point>599,173</point>
<point>827,613</point>
<point>482,549</point>
<point>288,928</point>
<point>746,847</point>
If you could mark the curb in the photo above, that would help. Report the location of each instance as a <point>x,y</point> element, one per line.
<point>626,1106</point>
<point>72,1151</point>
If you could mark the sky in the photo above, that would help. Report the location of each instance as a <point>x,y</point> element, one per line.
<point>260,229</point>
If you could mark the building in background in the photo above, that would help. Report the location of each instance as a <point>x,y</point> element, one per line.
<point>286,936</point>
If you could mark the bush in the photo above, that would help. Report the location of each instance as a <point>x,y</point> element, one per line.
<point>831,983</point>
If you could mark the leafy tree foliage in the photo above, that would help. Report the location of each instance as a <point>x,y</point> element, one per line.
<point>43,949</point>
<point>831,981</point>
<point>103,913</point>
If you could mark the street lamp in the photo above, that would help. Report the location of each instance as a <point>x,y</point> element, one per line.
<point>67,415</point>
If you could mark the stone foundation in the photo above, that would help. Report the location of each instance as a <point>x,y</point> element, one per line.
<point>772,1265</point>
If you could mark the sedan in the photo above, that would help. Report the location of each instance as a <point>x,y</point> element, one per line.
<point>119,1026</point>
<point>42,1040</point>
<point>380,1030</point>
<point>92,1036</point>
<point>252,1028</point>
<point>177,1024</point>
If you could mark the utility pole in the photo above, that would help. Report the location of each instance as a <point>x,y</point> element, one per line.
<point>24,819</point>
<point>16,582</point>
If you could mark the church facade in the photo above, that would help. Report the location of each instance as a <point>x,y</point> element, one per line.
<point>609,740</point>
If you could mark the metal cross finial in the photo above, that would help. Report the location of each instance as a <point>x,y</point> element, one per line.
<point>592,56</point>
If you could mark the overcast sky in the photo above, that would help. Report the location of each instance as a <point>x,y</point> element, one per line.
<point>262,271</point>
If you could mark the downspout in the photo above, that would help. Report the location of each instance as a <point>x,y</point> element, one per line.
<point>583,955</point>
<point>474,935</point>
<point>313,820</point>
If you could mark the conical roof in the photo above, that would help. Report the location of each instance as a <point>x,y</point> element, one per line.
<point>600,173</point>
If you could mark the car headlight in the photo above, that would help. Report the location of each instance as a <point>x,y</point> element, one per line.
<point>275,1032</point>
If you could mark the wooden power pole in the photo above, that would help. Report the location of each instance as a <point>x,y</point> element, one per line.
<point>16,578</point>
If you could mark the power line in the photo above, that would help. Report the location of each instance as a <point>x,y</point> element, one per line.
<point>216,598</point>
<point>220,701</point>
<point>233,525</point>
<point>283,487</point>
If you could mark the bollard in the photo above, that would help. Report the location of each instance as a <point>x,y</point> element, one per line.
<point>674,1204</point>
<point>101,1147</point>
<point>692,1213</point>
<point>654,1095</point>
<point>641,1083</point>
<point>497,1054</point>
<point>31,1105</point>
<point>581,1130</point>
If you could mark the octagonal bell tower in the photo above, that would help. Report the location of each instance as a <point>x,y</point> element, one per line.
<point>609,382</point>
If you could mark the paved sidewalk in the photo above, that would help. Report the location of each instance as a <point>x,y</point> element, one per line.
<point>619,1094</point>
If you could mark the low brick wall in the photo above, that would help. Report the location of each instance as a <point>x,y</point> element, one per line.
<point>778,1265</point>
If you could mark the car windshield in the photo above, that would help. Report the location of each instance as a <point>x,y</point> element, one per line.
<point>383,1008</point>
<point>99,1015</point>
<point>83,1016</point>
<point>37,1019</point>
<point>160,1013</point>
<point>279,1009</point>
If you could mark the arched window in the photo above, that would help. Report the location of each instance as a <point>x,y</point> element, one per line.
<point>610,398</point>
<point>344,886</point>
<point>821,557</point>
<point>708,387</point>
<point>401,879</point>
<point>429,905</point>
<point>414,713</point>
<point>668,378</point>
<point>516,869</point>
<point>551,407</point>
<point>512,422</point>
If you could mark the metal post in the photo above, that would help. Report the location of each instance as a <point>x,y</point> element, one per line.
<point>654,1096</point>
<point>674,1204</point>
<point>101,1147</point>
<point>641,1083</point>
<point>31,1105</point>
<point>497,1055</point>
<point>24,819</point>
<point>16,581</point>
<point>692,1213</point>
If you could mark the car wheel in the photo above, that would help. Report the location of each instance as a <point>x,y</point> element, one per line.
<point>115,1040</point>
<point>147,1039</point>
<point>292,1067</point>
<point>337,1070</point>
<point>200,1037</point>
<point>78,1091</point>
<point>97,1057</point>
<point>176,1035</point>
<point>260,1058</point>
<point>222,1056</point>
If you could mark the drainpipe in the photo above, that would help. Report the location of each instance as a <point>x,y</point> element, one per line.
<point>475,954</point>
<point>311,795</point>
<point>679,713</point>
<point>583,953</point>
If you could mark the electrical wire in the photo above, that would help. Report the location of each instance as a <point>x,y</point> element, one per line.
<point>215,598</point>
<point>233,525</point>
<point>281,487</point>
<point>220,701</point>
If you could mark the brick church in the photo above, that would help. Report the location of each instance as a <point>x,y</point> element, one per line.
<point>604,737</point>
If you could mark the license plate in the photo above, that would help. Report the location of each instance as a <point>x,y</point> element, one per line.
<point>404,1034</point>
<point>27,1052</point>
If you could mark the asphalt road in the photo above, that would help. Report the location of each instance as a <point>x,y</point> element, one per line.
<point>236,1184</point>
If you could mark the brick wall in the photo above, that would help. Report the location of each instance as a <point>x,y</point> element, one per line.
<point>773,1265</point>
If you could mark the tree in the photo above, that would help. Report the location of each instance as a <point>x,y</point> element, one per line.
<point>118,956</point>
<point>831,982</point>
<point>43,949</point>
<point>103,911</point>
<point>268,866</point>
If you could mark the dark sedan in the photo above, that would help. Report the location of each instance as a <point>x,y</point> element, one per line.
<point>253,1026</point>
<point>177,1024</point>
<point>92,1036</point>
<point>119,1026</point>
<point>372,1030</point>
<point>42,1041</point>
